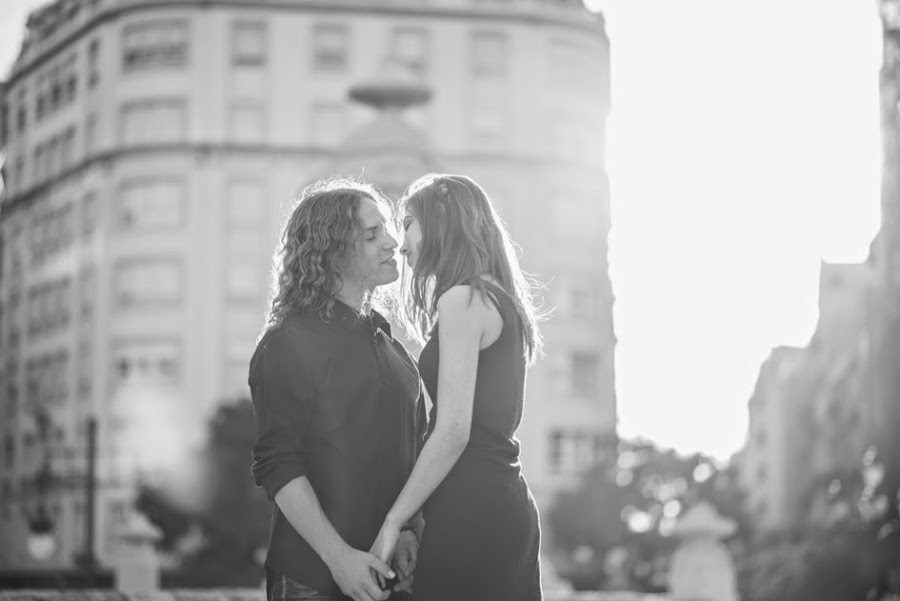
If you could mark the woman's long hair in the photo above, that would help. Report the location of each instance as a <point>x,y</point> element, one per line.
<point>463,238</point>
<point>315,244</point>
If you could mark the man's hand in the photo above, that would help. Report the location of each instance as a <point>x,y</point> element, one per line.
<point>352,571</point>
<point>405,560</point>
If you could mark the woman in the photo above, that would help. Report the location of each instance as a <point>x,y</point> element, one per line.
<point>481,538</point>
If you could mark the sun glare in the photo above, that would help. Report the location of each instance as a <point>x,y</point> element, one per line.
<point>743,150</point>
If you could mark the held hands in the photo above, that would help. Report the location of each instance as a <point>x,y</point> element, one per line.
<point>353,572</point>
<point>385,546</point>
<point>405,560</point>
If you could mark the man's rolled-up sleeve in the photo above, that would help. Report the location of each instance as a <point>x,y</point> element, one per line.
<point>280,395</point>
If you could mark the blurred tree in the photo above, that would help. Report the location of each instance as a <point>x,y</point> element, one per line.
<point>845,552</point>
<point>217,538</point>
<point>631,500</point>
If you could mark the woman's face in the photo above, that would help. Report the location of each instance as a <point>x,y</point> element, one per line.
<point>412,239</point>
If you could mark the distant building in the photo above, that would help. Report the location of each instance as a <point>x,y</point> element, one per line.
<point>812,413</point>
<point>152,150</point>
<point>886,254</point>
<point>762,466</point>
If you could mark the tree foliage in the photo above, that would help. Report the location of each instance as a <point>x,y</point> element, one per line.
<point>630,500</point>
<point>226,517</point>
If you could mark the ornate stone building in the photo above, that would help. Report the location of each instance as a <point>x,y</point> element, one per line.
<point>152,151</point>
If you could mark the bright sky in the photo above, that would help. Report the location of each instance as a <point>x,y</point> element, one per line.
<point>743,149</point>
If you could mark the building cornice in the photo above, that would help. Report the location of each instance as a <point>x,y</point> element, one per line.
<point>533,13</point>
<point>10,203</point>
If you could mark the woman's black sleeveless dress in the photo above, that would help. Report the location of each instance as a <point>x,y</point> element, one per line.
<point>481,539</point>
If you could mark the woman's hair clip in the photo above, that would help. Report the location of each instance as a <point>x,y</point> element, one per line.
<point>443,188</point>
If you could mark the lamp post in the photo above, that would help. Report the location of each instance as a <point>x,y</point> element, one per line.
<point>42,541</point>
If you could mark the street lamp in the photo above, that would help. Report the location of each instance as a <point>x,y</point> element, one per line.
<point>41,540</point>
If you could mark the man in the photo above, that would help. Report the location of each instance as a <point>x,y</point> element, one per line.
<point>337,400</point>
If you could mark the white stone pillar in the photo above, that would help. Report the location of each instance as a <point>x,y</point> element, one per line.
<point>701,568</point>
<point>136,565</point>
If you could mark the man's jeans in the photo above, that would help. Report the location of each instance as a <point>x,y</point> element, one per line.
<point>282,588</point>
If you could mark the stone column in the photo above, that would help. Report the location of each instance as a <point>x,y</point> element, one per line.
<point>136,566</point>
<point>701,567</point>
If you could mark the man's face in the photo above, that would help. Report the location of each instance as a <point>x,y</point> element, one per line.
<point>372,261</point>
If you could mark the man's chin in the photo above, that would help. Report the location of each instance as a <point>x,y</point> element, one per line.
<point>391,276</point>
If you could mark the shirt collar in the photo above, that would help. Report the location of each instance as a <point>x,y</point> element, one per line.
<point>348,317</point>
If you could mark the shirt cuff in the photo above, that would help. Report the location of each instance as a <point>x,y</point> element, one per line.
<point>278,475</point>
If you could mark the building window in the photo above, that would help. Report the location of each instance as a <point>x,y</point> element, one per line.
<point>569,64</point>
<point>246,204</point>
<point>409,48</point>
<point>56,87</point>
<point>38,163</point>
<point>9,452</point>
<point>330,43</point>
<point>46,378</point>
<point>248,44</point>
<point>94,63</point>
<point>89,215</point>
<point>328,122</point>
<point>156,44</point>
<point>490,88</point>
<point>49,306</point>
<point>67,148</point>
<point>21,113</point>
<point>585,373</point>
<point>146,362</point>
<point>573,138</point>
<point>577,217</point>
<point>70,79</point>
<point>573,450</point>
<point>86,292</point>
<point>584,297</point>
<point>85,367</point>
<point>490,113</point>
<point>490,54</point>
<point>243,282</point>
<point>151,204</point>
<point>243,277</point>
<point>51,156</point>
<point>90,134</point>
<point>760,437</point>
<point>19,174</point>
<point>153,121</point>
<point>40,103</point>
<point>247,122</point>
<point>145,283</point>
<point>51,232</point>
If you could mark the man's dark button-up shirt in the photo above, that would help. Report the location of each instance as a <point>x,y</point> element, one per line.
<point>339,402</point>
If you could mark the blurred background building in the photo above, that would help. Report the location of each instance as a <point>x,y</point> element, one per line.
<point>813,414</point>
<point>152,152</point>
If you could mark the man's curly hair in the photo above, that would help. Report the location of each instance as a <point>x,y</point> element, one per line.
<point>314,246</point>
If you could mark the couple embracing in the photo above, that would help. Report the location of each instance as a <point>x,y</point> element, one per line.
<point>374,499</point>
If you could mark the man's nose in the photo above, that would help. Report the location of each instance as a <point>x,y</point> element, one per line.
<point>389,242</point>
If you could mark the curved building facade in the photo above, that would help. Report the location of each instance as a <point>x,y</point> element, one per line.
<point>152,151</point>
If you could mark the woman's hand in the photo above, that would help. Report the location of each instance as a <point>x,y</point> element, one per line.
<point>385,545</point>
